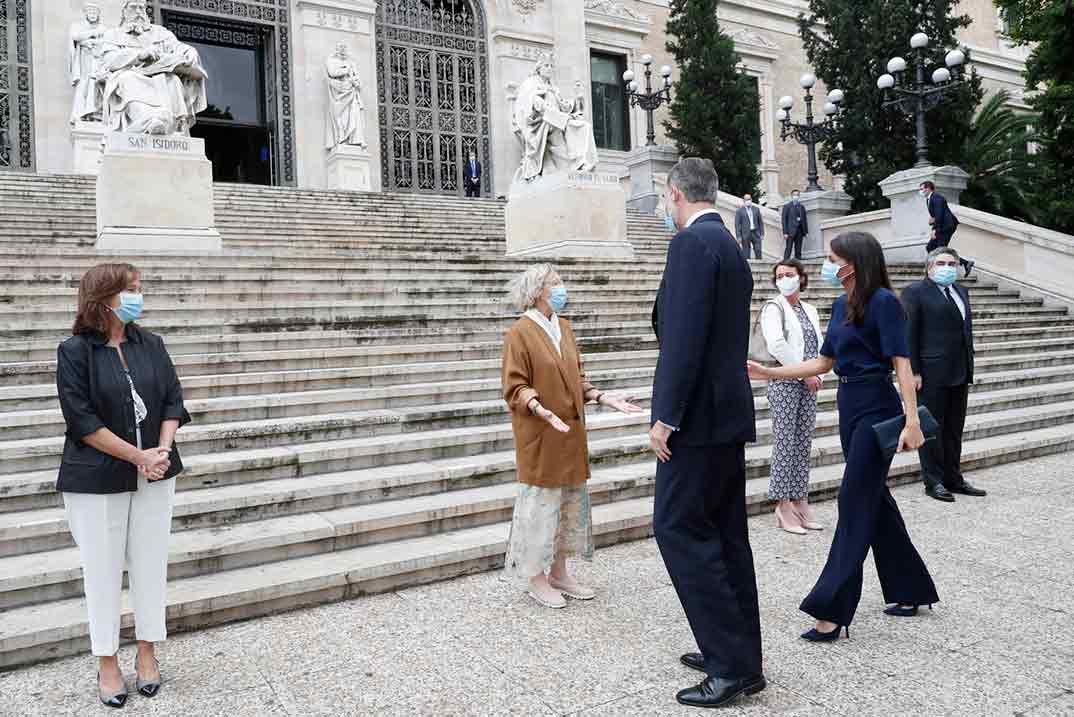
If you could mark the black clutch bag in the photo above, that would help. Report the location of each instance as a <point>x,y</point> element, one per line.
<point>888,432</point>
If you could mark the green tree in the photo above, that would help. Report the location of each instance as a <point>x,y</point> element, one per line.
<point>1049,24</point>
<point>715,107</point>
<point>848,43</point>
<point>1003,174</point>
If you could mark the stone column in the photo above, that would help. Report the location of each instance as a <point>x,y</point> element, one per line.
<point>645,164</point>
<point>821,206</point>
<point>910,230</point>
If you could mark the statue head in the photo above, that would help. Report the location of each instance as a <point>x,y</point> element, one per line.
<point>544,69</point>
<point>92,13</point>
<point>341,50</point>
<point>134,17</point>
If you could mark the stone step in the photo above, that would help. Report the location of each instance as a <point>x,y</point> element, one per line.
<point>51,629</point>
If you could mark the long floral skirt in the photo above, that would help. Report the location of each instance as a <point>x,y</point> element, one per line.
<point>548,522</point>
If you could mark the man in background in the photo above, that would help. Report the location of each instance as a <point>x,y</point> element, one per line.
<point>471,176</point>
<point>749,228</point>
<point>943,221</point>
<point>795,226</point>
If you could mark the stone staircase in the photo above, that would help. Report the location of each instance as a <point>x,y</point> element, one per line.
<point>341,362</point>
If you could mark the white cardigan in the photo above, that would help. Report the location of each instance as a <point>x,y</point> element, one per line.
<point>790,350</point>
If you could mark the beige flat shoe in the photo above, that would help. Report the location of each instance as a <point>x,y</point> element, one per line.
<point>548,601</point>
<point>573,589</point>
<point>782,523</point>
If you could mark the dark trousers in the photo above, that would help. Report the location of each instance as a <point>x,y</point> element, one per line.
<point>869,517</point>
<point>795,243</point>
<point>940,239</point>
<point>755,240</point>
<point>941,459</point>
<point>699,519</point>
<point>473,189</point>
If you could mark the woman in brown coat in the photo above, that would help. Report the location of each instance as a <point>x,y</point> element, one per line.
<point>546,391</point>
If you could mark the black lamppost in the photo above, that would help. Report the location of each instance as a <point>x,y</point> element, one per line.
<point>809,132</point>
<point>651,99</point>
<point>916,96</point>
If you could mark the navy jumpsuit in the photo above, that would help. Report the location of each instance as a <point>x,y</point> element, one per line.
<point>868,514</point>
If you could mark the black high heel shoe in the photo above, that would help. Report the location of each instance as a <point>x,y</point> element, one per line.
<point>902,610</point>
<point>816,635</point>
<point>147,688</point>
<point>116,701</point>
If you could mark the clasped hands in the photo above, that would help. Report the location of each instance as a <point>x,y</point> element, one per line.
<point>154,463</point>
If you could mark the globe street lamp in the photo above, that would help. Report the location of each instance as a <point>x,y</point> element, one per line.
<point>917,96</point>
<point>810,133</point>
<point>651,99</point>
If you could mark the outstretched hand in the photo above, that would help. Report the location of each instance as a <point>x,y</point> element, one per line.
<point>757,371</point>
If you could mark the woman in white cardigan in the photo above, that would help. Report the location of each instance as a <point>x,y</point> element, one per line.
<point>791,329</point>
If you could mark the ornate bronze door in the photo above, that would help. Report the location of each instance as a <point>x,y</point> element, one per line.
<point>432,81</point>
<point>16,87</point>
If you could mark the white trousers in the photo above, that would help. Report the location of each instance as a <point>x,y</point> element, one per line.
<point>110,529</point>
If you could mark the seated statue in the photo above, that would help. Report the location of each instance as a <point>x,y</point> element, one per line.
<point>154,83</point>
<point>555,136</point>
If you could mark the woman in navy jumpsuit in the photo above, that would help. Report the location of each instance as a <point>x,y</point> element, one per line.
<point>866,337</point>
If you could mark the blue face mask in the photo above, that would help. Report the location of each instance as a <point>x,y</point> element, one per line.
<point>945,275</point>
<point>130,307</point>
<point>557,298</point>
<point>794,198</point>
<point>830,273</point>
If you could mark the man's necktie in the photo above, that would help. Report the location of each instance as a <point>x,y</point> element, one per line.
<point>947,293</point>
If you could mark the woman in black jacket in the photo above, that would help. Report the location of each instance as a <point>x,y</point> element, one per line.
<point>122,403</point>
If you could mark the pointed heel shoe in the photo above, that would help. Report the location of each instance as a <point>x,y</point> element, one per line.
<point>816,635</point>
<point>116,700</point>
<point>782,523</point>
<point>147,688</point>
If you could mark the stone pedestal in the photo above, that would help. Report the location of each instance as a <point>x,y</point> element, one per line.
<point>821,206</point>
<point>87,140</point>
<point>572,214</point>
<point>155,193</point>
<point>645,164</point>
<point>350,167</point>
<point>910,230</point>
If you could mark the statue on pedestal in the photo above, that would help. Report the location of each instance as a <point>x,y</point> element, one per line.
<point>154,83</point>
<point>83,54</point>
<point>345,121</point>
<point>554,134</point>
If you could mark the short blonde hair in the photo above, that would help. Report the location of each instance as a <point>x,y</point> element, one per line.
<point>525,289</point>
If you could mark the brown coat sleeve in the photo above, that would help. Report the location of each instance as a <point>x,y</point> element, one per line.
<point>586,385</point>
<point>516,373</point>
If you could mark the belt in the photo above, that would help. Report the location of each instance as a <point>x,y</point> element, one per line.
<point>866,377</point>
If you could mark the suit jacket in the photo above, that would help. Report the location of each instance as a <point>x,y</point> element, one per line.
<point>532,368</point>
<point>702,322</point>
<point>469,176</point>
<point>945,221</point>
<point>941,343</point>
<point>794,219</point>
<point>742,221</point>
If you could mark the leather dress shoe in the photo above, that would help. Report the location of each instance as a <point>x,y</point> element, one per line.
<point>694,660</point>
<point>720,691</point>
<point>939,492</point>
<point>966,489</point>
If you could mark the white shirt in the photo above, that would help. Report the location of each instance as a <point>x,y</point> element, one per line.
<point>698,215</point>
<point>954,295</point>
<point>551,327</point>
<point>749,213</point>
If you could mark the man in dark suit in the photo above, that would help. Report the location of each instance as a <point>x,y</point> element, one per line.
<point>702,417</point>
<point>940,328</point>
<point>795,226</point>
<point>942,220</point>
<point>471,176</point>
<point>749,227</point>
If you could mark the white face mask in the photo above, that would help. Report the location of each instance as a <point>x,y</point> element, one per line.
<point>788,285</point>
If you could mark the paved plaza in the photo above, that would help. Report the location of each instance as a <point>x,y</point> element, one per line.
<point>1000,643</point>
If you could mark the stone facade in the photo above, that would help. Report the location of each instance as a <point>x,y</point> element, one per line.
<point>511,34</point>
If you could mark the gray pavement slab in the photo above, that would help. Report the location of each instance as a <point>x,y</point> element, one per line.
<point>1000,642</point>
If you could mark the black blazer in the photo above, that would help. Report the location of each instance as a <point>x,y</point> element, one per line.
<point>945,220</point>
<point>794,219</point>
<point>702,321</point>
<point>941,343</point>
<point>94,394</point>
<point>469,176</point>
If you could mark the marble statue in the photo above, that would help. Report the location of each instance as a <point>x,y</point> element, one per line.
<point>154,84</point>
<point>554,135</point>
<point>83,54</point>
<point>345,121</point>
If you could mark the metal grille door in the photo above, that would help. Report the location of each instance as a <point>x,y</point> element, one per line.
<point>433,91</point>
<point>16,87</point>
